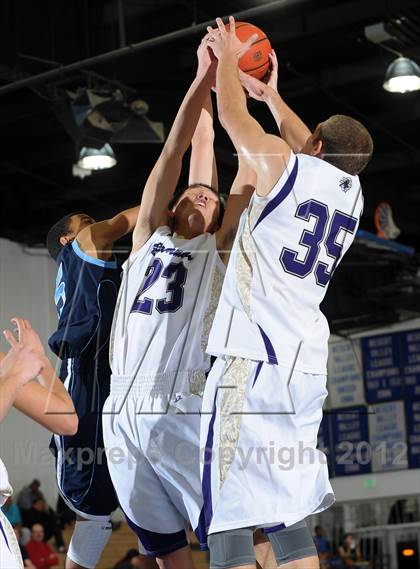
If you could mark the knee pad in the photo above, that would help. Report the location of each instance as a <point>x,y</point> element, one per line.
<point>231,548</point>
<point>292,543</point>
<point>88,541</point>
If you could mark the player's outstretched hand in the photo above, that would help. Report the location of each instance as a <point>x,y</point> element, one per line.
<point>254,87</point>
<point>274,71</point>
<point>223,41</point>
<point>25,334</point>
<point>20,363</point>
<point>261,90</point>
<point>207,62</point>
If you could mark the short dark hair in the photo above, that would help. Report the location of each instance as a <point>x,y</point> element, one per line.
<point>60,228</point>
<point>346,143</point>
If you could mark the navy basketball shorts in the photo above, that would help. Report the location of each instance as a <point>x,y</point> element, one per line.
<point>82,471</point>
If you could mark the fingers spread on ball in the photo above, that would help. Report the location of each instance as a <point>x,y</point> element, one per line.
<point>221,25</point>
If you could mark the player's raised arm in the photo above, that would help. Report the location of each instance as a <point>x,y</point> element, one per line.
<point>240,193</point>
<point>98,238</point>
<point>47,402</point>
<point>266,154</point>
<point>292,129</point>
<point>162,182</point>
<point>203,169</point>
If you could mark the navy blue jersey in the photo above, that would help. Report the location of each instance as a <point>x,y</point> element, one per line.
<point>86,294</point>
<point>85,297</point>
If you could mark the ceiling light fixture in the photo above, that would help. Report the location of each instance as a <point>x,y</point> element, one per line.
<point>403,74</point>
<point>97,159</point>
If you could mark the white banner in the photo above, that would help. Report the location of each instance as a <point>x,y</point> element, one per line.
<point>345,374</point>
<point>387,436</point>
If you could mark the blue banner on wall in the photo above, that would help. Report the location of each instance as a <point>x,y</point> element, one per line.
<point>324,440</point>
<point>381,368</point>
<point>413,433</point>
<point>410,360</point>
<point>351,449</point>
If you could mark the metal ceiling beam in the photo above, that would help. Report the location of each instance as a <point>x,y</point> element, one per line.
<point>327,18</point>
<point>278,5</point>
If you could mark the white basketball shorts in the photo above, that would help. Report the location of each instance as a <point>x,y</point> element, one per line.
<point>259,430</point>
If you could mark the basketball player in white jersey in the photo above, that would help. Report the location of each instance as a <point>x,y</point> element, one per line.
<point>46,402</point>
<point>168,296</point>
<point>263,398</point>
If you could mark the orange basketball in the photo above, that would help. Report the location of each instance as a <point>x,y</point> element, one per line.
<point>255,61</point>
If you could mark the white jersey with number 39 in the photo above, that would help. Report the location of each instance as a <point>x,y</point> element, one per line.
<point>293,240</point>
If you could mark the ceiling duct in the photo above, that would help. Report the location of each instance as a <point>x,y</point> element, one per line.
<point>94,117</point>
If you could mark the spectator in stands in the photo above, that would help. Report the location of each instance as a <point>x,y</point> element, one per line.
<point>41,513</point>
<point>29,494</point>
<point>25,557</point>
<point>12,512</point>
<point>323,547</point>
<point>40,553</point>
<point>349,551</point>
<point>131,559</point>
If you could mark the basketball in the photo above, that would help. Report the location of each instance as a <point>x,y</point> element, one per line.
<point>255,61</point>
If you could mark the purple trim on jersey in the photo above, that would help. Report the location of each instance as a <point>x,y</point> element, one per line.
<point>206,482</point>
<point>158,544</point>
<point>4,535</point>
<point>281,196</point>
<point>200,531</point>
<point>273,529</point>
<point>272,358</point>
<point>257,372</point>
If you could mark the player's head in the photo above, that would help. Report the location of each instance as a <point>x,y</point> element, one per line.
<point>197,210</point>
<point>343,142</point>
<point>65,231</point>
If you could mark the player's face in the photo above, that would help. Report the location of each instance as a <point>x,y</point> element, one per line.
<point>198,206</point>
<point>79,222</point>
<point>76,224</point>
